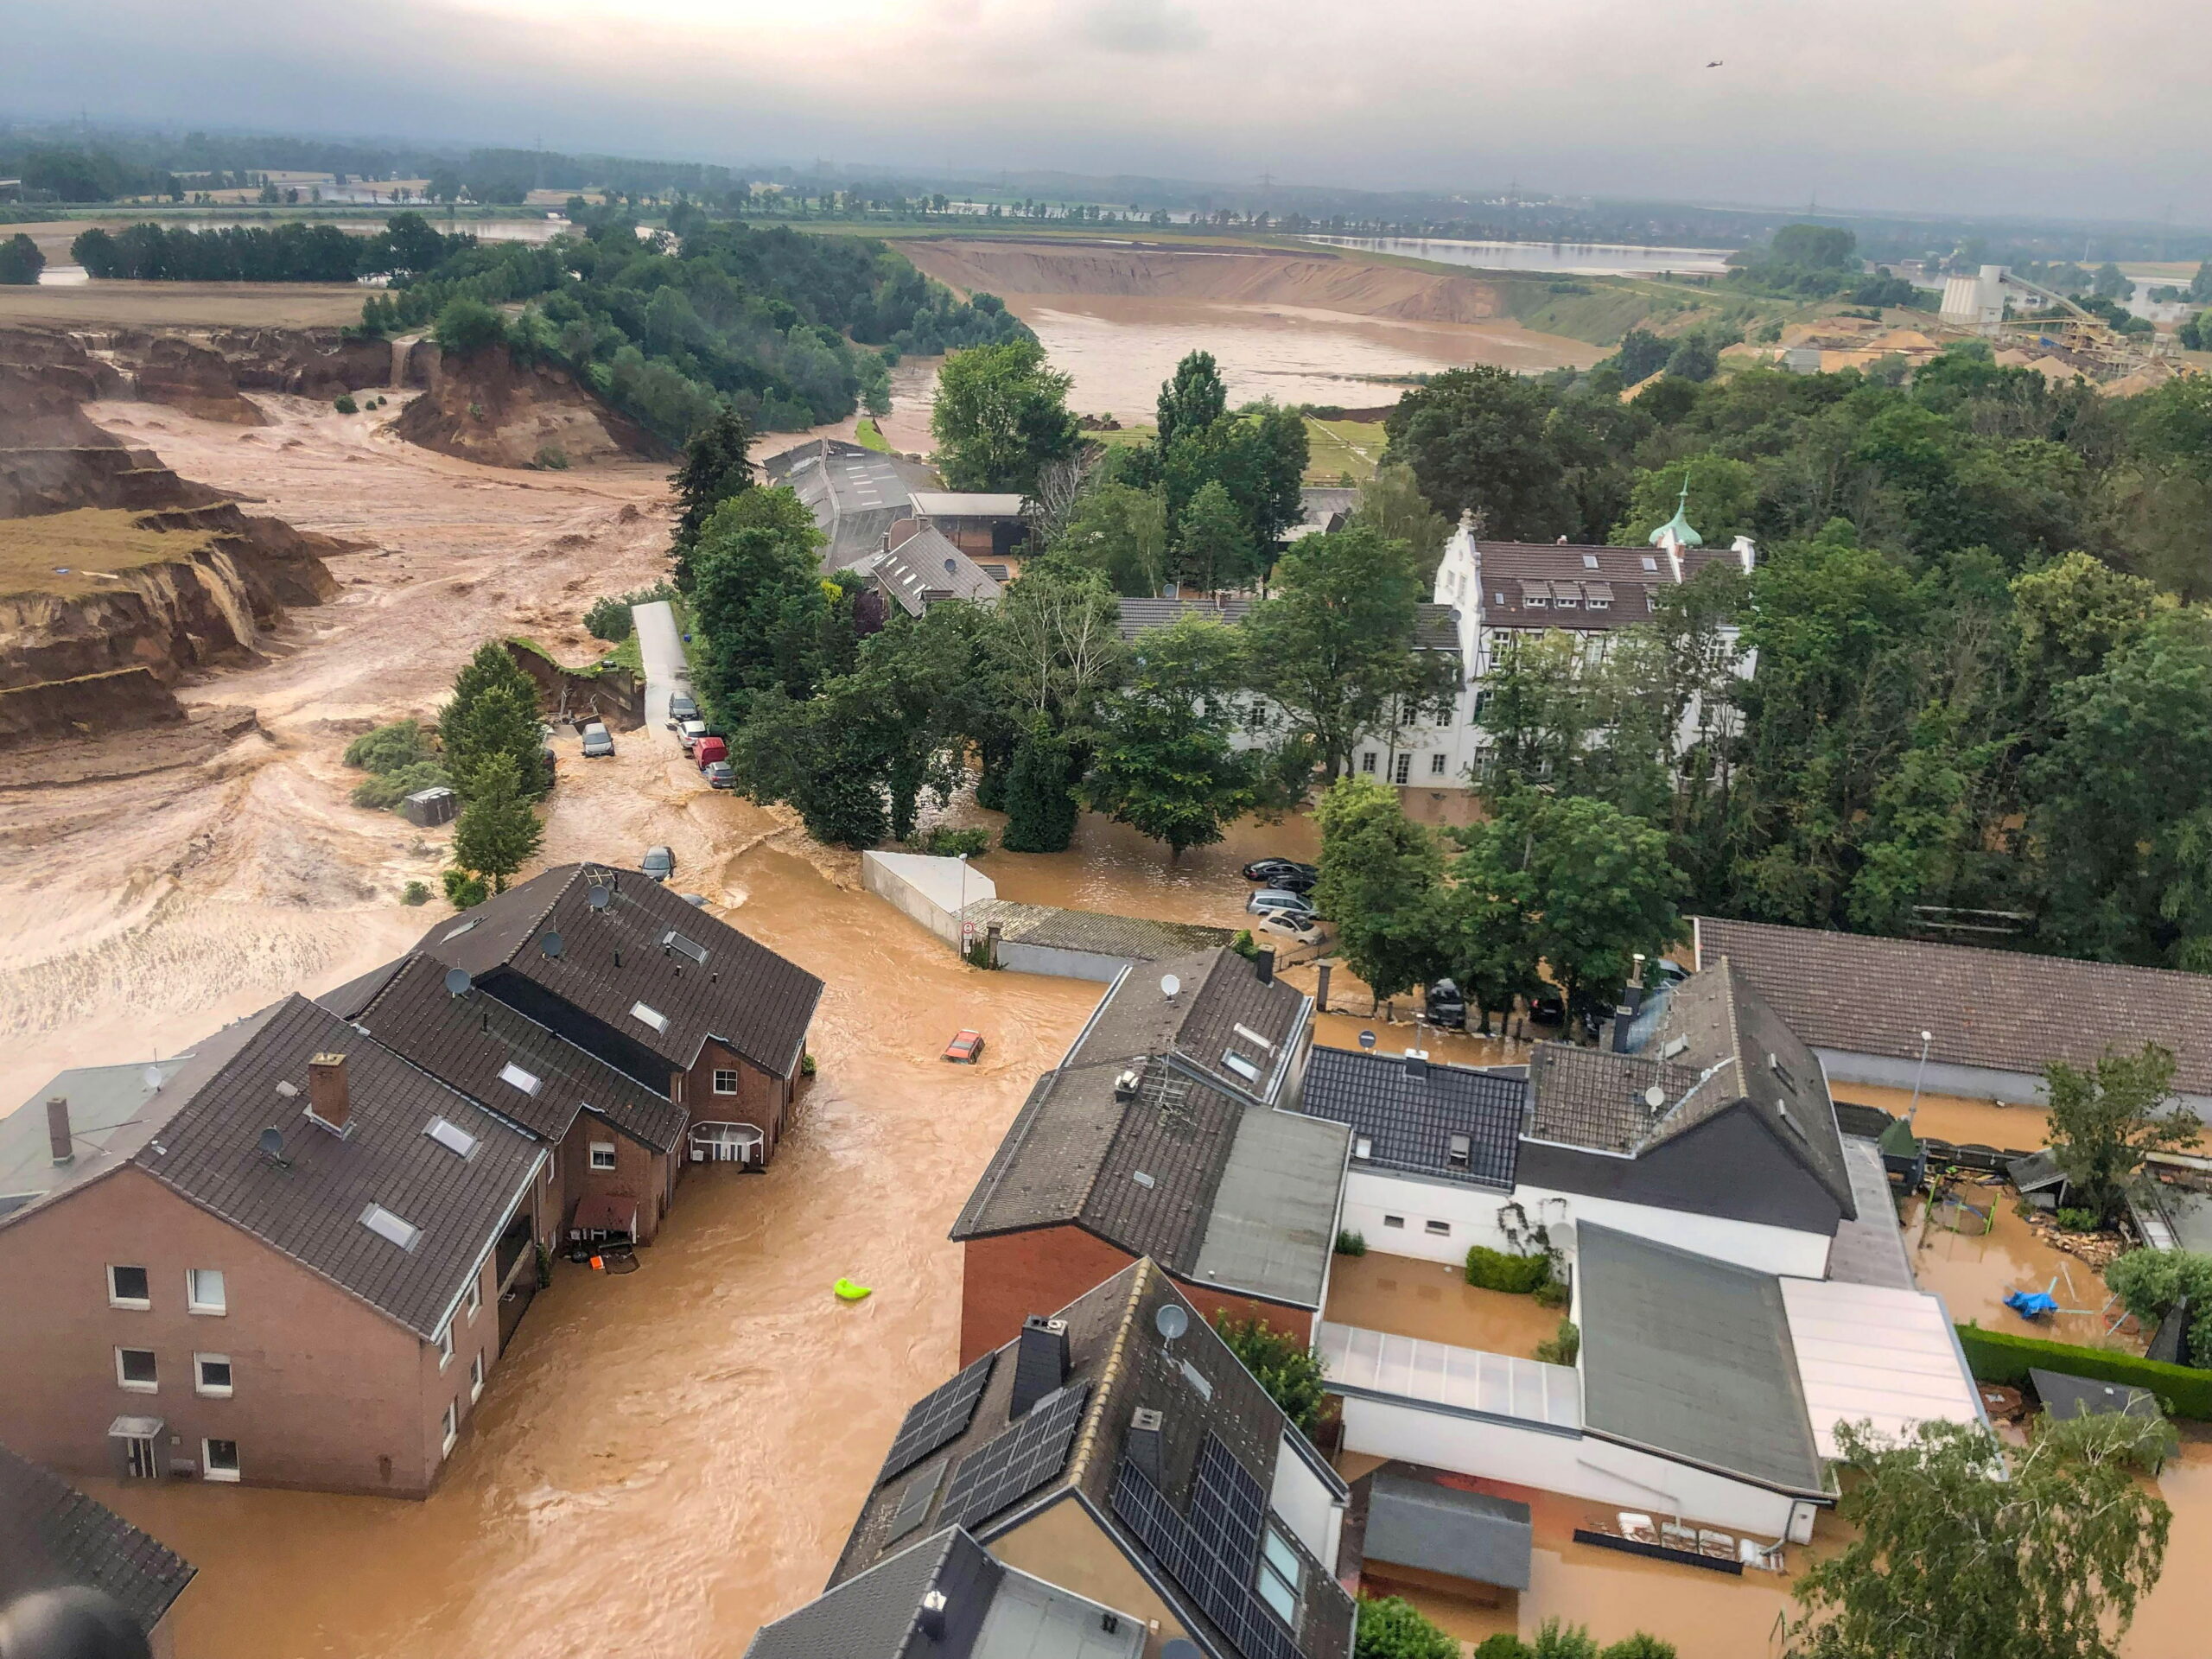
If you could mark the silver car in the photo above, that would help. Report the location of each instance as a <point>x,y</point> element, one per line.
<point>598,740</point>
<point>1268,900</point>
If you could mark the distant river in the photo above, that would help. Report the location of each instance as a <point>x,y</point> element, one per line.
<point>1566,258</point>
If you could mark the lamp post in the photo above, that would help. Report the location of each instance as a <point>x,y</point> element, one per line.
<point>964,904</point>
<point>1913,1111</point>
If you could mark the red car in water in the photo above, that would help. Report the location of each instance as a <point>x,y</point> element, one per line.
<point>963,1049</point>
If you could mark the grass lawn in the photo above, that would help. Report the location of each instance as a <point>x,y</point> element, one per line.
<point>1336,447</point>
<point>869,436</point>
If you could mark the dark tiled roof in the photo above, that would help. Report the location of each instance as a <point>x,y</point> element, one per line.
<point>1435,626</point>
<point>1409,1120</point>
<point>1691,1356</point>
<point>1513,573</point>
<point>466,1041</point>
<point>1114,1352</point>
<point>311,1210</point>
<point>926,568</point>
<point>1221,991</point>
<point>1593,1098</point>
<point>347,1000</point>
<point>873,1615</point>
<point>52,1534</point>
<point>2002,1009</point>
<point>743,995</point>
<point>1440,1528</point>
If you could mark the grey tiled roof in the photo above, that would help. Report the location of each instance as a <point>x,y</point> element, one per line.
<point>466,1041</point>
<point>873,1615</point>
<point>2002,1009</point>
<point>1221,991</point>
<point>1408,1119</point>
<point>1691,1356</point>
<point>1869,1249</point>
<point>1513,571</point>
<point>52,1534</point>
<point>1435,626</point>
<point>744,995</point>
<point>927,567</point>
<point>1594,1098</point>
<point>1134,937</point>
<point>1471,1536</point>
<point>1115,1352</point>
<point>855,494</point>
<point>310,1209</point>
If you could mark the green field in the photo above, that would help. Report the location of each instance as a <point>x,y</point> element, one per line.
<point>1334,449</point>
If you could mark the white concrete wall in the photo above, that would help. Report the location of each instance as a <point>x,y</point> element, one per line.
<point>1471,1214</point>
<point>1577,1465</point>
<point>927,889</point>
<point>1060,964</point>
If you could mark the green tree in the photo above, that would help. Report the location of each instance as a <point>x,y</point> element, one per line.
<point>466,327</point>
<point>1282,1364</point>
<point>1040,802</point>
<point>1814,247</point>
<point>1391,1627</point>
<point>1121,532</point>
<point>1000,414</point>
<point>1603,890</point>
<point>716,465</point>
<point>1475,438</point>
<point>1193,400</point>
<point>1382,885</point>
<point>492,713</point>
<point>1487,920</point>
<point>1214,542</point>
<point>1723,502</point>
<point>497,833</point>
<point>21,261</point>
<point>444,185</point>
<point>760,604</point>
<point>1391,502</point>
<point>1054,650</point>
<point>1955,1554</point>
<point>1334,646</point>
<point>1164,764</point>
<point>822,755</point>
<point>2151,1284</point>
<point>2106,1120</point>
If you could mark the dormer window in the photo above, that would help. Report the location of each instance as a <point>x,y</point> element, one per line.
<point>1458,1151</point>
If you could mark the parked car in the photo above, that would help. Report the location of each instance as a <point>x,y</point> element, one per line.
<point>681,706</point>
<point>688,732</point>
<point>963,1048</point>
<point>1445,1006</point>
<point>598,740</point>
<point>1273,870</point>
<point>1664,972</point>
<point>1283,927</point>
<point>1548,1009</point>
<point>1274,898</point>
<point>710,749</point>
<point>698,898</point>
<point>659,862</point>
<point>721,774</point>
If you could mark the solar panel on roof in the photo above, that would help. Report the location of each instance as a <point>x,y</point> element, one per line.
<point>936,1418</point>
<point>1012,1466</point>
<point>914,1502</point>
<point>1221,1584</point>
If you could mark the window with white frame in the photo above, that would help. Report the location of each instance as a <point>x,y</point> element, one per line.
<point>725,1081</point>
<point>473,1303</point>
<point>210,1376</point>
<point>219,1460</point>
<point>476,1376</point>
<point>1394,1221</point>
<point>452,1426</point>
<point>1402,773</point>
<point>602,1154</point>
<point>1437,1228</point>
<point>1367,760</point>
<point>134,1369</point>
<point>445,1345</point>
<point>1458,1150</point>
<point>1282,1576</point>
<point>204,1291</point>
<point>1436,765</point>
<point>129,1288</point>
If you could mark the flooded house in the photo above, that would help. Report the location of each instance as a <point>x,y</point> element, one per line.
<point>290,1257</point>
<point>1164,1132</point>
<point>1110,1482</point>
<point>918,566</point>
<point>54,1537</point>
<point>856,494</point>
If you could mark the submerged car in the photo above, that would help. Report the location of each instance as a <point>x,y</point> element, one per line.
<point>598,740</point>
<point>659,862</point>
<point>1286,927</point>
<point>963,1048</point>
<point>1283,873</point>
<point>1267,899</point>
<point>1445,1006</point>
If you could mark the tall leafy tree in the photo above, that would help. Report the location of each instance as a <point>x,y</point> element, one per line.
<point>1000,415</point>
<point>1121,532</point>
<point>1959,1551</point>
<point>1040,801</point>
<point>1214,541</point>
<point>2106,1120</point>
<point>1475,438</point>
<point>1603,889</point>
<point>1391,502</point>
<point>497,833</point>
<point>1335,646</point>
<point>1193,399</point>
<point>759,604</point>
<point>1381,884</point>
<point>716,465</point>
<point>1164,763</point>
<point>493,714</point>
<point>824,755</point>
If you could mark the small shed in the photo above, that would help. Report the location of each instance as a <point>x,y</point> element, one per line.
<point>1447,1530</point>
<point>2038,1176</point>
<point>427,807</point>
<point>2064,1395</point>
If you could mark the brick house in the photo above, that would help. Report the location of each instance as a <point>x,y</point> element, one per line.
<point>54,1537</point>
<point>617,966</point>
<point>1159,1135</point>
<point>290,1258</point>
<point>1093,1486</point>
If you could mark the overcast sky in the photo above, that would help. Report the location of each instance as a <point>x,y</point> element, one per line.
<point>2045,107</point>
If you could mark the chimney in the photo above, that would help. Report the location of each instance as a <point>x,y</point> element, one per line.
<point>1125,1085</point>
<point>1321,990</point>
<point>58,1136</point>
<point>1747,553</point>
<point>1416,1065</point>
<point>1040,1362</point>
<point>1265,962</point>
<point>1142,1446</point>
<point>328,1103</point>
<point>929,1619</point>
<point>1631,999</point>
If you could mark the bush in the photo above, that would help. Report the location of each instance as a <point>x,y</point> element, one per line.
<point>2077,1221</point>
<point>464,890</point>
<point>389,747</point>
<point>945,842</point>
<point>1504,1645</point>
<point>1552,1293</point>
<point>1558,1640</point>
<point>609,619</point>
<point>346,406</point>
<point>1560,1348</point>
<point>1495,1270</point>
<point>2000,1357</point>
<point>1639,1646</point>
<point>385,791</point>
<point>551,459</point>
<point>1281,1364</point>
<point>414,893</point>
<point>467,325</point>
<point>1351,1243</point>
<point>1393,1628</point>
<point>1245,945</point>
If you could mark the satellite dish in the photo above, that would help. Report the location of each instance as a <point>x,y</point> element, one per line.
<point>1169,985</point>
<point>457,981</point>
<point>550,944</point>
<point>600,898</point>
<point>1367,1039</point>
<point>1172,1321</point>
<point>272,1142</point>
<point>152,1076</point>
<point>1654,1096</point>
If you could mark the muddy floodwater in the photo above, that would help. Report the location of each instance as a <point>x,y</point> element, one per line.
<point>1564,258</point>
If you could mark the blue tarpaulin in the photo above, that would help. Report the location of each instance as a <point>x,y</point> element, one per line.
<point>2031,1304</point>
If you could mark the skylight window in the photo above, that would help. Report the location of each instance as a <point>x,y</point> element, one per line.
<point>1254,1037</point>
<point>1243,1067</point>
<point>385,1226</point>
<point>526,1081</point>
<point>1650,563</point>
<point>651,1016</point>
<point>672,940</point>
<point>453,933</point>
<point>1363,1147</point>
<point>1589,560</point>
<point>451,1136</point>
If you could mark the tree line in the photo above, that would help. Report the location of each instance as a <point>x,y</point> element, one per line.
<point>291,252</point>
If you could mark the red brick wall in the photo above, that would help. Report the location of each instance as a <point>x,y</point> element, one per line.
<point>762,1100</point>
<point>638,1171</point>
<point>1008,1276</point>
<point>328,1393</point>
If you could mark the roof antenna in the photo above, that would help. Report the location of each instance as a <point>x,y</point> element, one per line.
<point>1171,1321</point>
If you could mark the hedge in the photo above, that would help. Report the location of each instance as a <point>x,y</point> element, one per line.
<point>2000,1357</point>
<point>1495,1270</point>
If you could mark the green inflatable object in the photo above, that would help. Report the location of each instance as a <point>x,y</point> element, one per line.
<point>848,1291</point>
